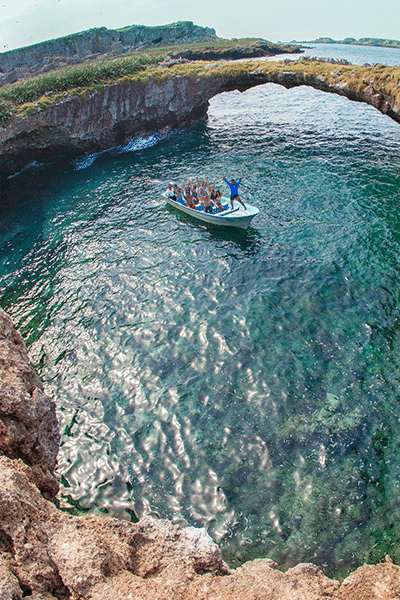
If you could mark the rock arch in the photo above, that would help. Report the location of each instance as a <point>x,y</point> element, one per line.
<point>359,84</point>
<point>173,97</point>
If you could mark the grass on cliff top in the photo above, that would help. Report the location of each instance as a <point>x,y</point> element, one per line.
<point>38,92</point>
<point>354,77</point>
<point>91,75</point>
<point>223,44</point>
<point>84,75</point>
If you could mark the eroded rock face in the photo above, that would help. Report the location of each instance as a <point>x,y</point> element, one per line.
<point>47,551</point>
<point>102,120</point>
<point>94,43</point>
<point>114,115</point>
<point>28,425</point>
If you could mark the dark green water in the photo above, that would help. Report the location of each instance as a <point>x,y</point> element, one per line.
<point>245,382</point>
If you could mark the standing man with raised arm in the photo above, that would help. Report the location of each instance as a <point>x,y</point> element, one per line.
<point>234,186</point>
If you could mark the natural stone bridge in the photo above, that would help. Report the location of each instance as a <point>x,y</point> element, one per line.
<point>173,96</point>
<point>361,84</point>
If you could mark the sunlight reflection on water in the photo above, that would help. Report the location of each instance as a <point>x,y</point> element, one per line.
<point>246,382</point>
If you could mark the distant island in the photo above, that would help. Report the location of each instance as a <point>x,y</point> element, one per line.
<point>353,41</point>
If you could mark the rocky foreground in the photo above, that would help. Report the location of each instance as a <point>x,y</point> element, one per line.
<point>48,554</point>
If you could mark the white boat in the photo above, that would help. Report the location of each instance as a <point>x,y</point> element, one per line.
<point>236,217</point>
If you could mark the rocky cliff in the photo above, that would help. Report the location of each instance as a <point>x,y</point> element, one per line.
<point>28,425</point>
<point>165,97</point>
<point>47,554</point>
<point>73,49</point>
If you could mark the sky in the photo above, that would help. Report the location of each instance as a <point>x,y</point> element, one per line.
<point>26,22</point>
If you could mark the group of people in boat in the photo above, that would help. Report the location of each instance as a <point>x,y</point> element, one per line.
<point>203,194</point>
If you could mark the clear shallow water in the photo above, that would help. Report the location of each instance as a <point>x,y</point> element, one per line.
<point>247,382</point>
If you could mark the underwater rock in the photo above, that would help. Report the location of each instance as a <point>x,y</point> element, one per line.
<point>46,553</point>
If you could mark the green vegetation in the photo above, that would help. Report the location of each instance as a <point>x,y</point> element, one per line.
<point>361,42</point>
<point>223,44</point>
<point>6,109</point>
<point>83,76</point>
<point>166,26</point>
<point>37,93</point>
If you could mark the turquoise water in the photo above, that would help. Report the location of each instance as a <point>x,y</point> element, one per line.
<point>247,382</point>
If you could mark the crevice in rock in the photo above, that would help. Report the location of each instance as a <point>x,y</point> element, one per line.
<point>26,589</point>
<point>61,592</point>
<point>6,542</point>
<point>153,572</point>
<point>202,569</point>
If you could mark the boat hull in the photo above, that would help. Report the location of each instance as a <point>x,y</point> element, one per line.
<point>238,217</point>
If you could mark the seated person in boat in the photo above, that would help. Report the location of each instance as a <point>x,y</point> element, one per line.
<point>211,189</point>
<point>218,201</point>
<point>171,192</point>
<point>215,197</point>
<point>179,194</point>
<point>195,194</point>
<point>234,186</point>
<point>202,185</point>
<point>190,190</point>
<point>188,195</point>
<point>206,202</point>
